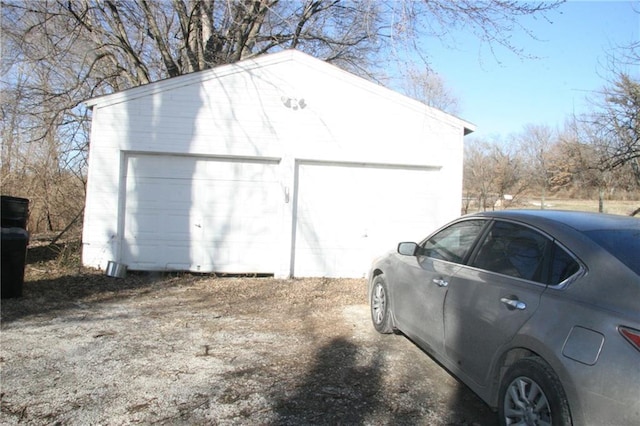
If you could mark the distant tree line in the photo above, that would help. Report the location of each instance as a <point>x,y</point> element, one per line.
<point>595,154</point>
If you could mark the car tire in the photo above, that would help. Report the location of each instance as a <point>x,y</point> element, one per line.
<point>531,394</point>
<point>379,303</point>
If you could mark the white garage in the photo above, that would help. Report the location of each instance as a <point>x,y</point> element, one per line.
<point>282,165</point>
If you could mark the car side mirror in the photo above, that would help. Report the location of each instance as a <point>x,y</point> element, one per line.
<point>408,249</point>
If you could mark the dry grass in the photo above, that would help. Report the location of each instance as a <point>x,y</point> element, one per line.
<point>621,207</point>
<point>82,348</point>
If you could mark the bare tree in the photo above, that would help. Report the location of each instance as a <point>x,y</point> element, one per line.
<point>614,122</point>
<point>610,132</point>
<point>478,174</point>
<point>430,88</point>
<point>509,171</point>
<point>492,171</point>
<point>591,163</point>
<point>614,126</point>
<point>536,142</point>
<point>58,53</point>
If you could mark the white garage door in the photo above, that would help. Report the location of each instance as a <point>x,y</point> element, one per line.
<point>349,214</point>
<point>200,214</point>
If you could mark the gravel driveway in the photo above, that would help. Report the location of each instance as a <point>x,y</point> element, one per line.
<point>81,348</point>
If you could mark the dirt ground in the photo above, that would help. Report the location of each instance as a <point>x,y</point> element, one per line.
<point>80,348</point>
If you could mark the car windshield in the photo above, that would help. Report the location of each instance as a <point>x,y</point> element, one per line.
<point>624,244</point>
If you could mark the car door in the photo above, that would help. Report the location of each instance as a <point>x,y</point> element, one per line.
<point>421,281</point>
<point>489,300</point>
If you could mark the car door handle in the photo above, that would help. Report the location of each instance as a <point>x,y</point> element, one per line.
<point>440,282</point>
<point>514,303</point>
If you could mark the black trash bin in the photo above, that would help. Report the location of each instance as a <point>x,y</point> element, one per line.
<point>14,254</point>
<point>15,212</point>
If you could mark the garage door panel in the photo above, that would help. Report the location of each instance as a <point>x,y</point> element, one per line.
<point>238,231</point>
<point>225,255</point>
<point>158,255</point>
<point>200,214</point>
<point>161,226</point>
<point>155,197</point>
<point>348,214</point>
<point>223,198</point>
<point>163,166</point>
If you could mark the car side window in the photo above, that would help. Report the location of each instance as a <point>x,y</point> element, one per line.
<point>513,250</point>
<point>454,242</point>
<point>563,265</point>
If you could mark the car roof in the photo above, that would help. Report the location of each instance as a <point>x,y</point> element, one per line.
<point>581,221</point>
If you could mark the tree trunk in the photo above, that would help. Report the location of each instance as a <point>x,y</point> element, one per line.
<point>601,200</point>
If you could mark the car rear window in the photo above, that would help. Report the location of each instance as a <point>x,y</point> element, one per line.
<point>624,244</point>
<point>563,265</point>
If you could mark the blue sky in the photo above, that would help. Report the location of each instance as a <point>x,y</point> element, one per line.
<point>501,92</point>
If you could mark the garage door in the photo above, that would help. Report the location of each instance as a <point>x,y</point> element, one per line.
<point>200,214</point>
<point>348,214</point>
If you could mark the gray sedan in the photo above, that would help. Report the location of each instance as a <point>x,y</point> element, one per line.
<point>538,312</point>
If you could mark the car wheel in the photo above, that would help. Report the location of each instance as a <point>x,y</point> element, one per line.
<point>531,394</point>
<point>379,303</point>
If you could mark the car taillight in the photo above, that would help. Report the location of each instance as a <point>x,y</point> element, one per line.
<point>632,335</point>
